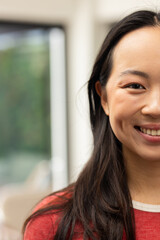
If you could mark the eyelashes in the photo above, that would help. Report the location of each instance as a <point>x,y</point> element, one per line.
<point>134,86</point>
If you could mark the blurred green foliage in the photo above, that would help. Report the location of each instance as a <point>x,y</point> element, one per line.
<point>25,97</point>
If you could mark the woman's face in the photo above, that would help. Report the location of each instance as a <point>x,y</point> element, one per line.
<point>131,97</point>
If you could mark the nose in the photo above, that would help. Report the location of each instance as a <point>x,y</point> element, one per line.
<point>152,104</point>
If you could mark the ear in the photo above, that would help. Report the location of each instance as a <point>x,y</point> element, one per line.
<point>103,96</point>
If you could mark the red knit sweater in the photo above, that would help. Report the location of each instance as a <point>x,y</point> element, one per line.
<point>147,219</point>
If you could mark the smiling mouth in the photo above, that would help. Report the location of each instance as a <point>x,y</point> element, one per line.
<point>151,132</point>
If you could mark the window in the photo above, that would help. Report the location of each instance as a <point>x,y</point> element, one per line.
<point>25,99</point>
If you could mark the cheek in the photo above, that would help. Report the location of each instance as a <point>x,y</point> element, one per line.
<point>122,110</point>
<point>119,107</point>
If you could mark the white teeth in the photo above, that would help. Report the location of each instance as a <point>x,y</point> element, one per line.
<point>151,132</point>
<point>148,131</point>
<point>145,130</point>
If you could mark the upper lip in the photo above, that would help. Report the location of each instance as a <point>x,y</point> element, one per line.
<point>151,126</point>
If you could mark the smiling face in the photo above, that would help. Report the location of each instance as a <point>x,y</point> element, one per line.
<point>131,97</point>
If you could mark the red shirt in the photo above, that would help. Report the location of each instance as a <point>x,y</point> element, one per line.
<point>147,220</point>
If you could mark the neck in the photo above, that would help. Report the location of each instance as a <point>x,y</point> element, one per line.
<point>143,179</point>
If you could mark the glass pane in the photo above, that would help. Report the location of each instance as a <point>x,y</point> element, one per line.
<point>24,103</point>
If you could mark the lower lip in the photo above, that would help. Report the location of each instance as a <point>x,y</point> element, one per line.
<point>149,138</point>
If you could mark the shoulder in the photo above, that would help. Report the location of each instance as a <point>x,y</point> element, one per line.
<point>52,199</point>
<point>40,228</point>
<point>44,226</point>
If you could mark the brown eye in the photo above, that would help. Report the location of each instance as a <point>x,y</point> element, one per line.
<point>135,86</point>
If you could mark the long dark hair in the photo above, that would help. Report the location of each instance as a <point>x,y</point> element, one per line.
<point>100,200</point>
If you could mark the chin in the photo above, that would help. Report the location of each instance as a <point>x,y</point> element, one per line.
<point>151,157</point>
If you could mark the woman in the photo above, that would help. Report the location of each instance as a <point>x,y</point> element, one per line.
<point>117,195</point>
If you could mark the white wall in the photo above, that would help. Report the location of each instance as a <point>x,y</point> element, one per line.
<point>114,10</point>
<point>84,21</point>
<point>37,10</point>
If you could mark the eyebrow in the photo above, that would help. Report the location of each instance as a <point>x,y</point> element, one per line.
<point>135,72</point>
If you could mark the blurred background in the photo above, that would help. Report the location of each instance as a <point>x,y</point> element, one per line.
<point>47,49</point>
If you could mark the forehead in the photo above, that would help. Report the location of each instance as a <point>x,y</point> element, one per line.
<point>138,48</point>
